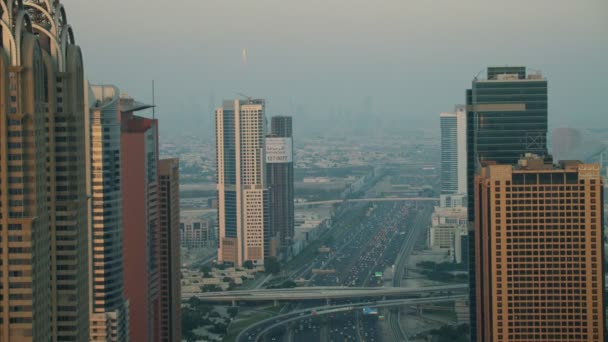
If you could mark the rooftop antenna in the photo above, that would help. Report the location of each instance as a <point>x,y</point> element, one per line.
<point>249,98</point>
<point>153,102</point>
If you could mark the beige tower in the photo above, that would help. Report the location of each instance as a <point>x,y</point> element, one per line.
<point>538,233</point>
<point>44,205</point>
<point>240,181</point>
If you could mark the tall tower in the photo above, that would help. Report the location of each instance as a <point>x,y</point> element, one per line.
<point>139,148</point>
<point>279,175</point>
<point>506,118</point>
<point>454,152</point>
<point>538,232</point>
<point>43,179</point>
<point>109,310</point>
<point>170,286</point>
<point>241,181</point>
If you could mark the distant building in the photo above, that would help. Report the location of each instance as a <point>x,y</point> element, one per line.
<point>197,234</point>
<point>443,236</point>
<point>506,118</point>
<point>453,201</point>
<point>280,182</point>
<point>241,183</point>
<point>452,216</point>
<point>139,144</point>
<point>454,152</point>
<point>109,308</point>
<point>169,242</point>
<point>565,140</point>
<point>461,244</point>
<point>539,270</point>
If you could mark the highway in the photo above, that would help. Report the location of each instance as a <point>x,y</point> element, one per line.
<point>418,227</point>
<point>383,199</point>
<point>258,330</point>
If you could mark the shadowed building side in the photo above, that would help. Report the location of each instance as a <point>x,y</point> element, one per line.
<point>170,274</point>
<point>139,147</point>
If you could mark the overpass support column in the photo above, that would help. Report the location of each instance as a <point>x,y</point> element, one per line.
<point>233,302</point>
<point>276,303</point>
<point>328,301</point>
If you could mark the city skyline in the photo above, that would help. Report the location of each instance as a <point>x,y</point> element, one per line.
<point>134,209</point>
<point>303,70</point>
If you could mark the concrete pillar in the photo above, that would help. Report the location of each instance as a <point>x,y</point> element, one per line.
<point>276,303</point>
<point>328,301</point>
<point>233,302</point>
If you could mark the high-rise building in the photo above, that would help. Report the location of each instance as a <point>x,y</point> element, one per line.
<point>170,291</point>
<point>280,181</point>
<point>506,118</point>
<point>109,309</point>
<point>242,197</point>
<point>43,203</point>
<point>454,152</point>
<point>538,232</point>
<point>139,148</point>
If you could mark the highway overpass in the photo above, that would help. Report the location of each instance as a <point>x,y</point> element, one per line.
<point>259,329</point>
<point>383,199</point>
<point>318,293</point>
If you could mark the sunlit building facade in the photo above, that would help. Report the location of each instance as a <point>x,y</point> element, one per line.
<point>539,238</point>
<point>109,309</point>
<point>242,214</point>
<point>43,206</point>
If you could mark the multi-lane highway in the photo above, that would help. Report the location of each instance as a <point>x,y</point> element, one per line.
<point>418,228</point>
<point>383,237</point>
<point>258,330</point>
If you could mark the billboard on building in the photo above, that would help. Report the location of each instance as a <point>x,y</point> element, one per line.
<point>279,150</point>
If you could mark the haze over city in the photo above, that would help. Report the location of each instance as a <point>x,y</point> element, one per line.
<point>397,62</point>
<point>333,171</point>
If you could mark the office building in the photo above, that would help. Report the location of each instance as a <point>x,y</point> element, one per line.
<point>538,232</point>
<point>109,309</point>
<point>196,234</point>
<point>170,275</point>
<point>506,118</point>
<point>242,197</point>
<point>139,148</point>
<point>454,152</point>
<point>43,206</point>
<point>280,181</point>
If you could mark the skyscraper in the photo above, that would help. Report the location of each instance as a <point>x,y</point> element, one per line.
<point>170,289</point>
<point>43,187</point>
<point>540,273</point>
<point>279,175</point>
<point>242,214</point>
<point>506,118</point>
<point>454,152</point>
<point>139,147</point>
<point>109,309</point>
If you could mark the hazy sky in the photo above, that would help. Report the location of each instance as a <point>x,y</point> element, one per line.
<point>403,60</point>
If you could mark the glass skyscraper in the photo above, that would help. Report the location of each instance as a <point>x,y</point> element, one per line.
<point>506,118</point>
